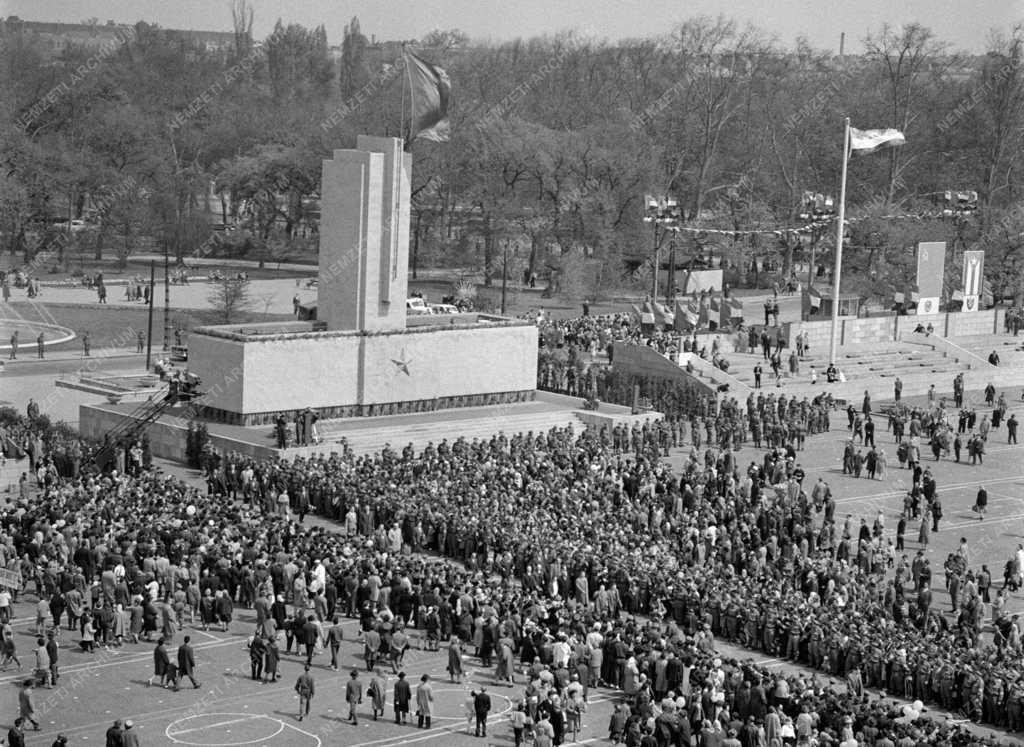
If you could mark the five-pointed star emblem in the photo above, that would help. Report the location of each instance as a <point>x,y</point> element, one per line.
<point>402,364</point>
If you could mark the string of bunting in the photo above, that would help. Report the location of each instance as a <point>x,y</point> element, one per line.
<point>805,229</point>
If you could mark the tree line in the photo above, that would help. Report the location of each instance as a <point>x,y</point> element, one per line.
<point>555,141</point>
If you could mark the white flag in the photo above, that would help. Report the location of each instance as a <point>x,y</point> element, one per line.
<point>868,141</point>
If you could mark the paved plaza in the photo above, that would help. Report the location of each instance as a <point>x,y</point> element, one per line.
<point>230,709</point>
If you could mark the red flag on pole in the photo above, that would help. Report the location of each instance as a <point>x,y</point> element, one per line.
<point>431,90</point>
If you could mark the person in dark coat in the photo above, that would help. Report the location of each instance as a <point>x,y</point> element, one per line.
<point>758,701</point>
<point>161,662</point>
<point>305,688</point>
<point>481,707</point>
<point>271,661</point>
<point>115,734</point>
<point>310,633</point>
<point>257,652</point>
<point>981,502</point>
<point>353,695</point>
<point>402,697</point>
<point>186,664</point>
<point>16,735</point>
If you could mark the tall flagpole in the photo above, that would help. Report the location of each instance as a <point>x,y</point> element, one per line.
<point>401,120</point>
<point>837,271</point>
<point>412,97</point>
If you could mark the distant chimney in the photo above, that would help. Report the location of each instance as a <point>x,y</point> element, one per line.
<point>842,42</point>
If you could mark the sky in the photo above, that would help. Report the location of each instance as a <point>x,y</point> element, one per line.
<point>965,24</point>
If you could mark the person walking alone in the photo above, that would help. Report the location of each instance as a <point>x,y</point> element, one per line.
<point>186,664</point>
<point>26,704</point>
<point>353,696</point>
<point>981,502</point>
<point>305,688</point>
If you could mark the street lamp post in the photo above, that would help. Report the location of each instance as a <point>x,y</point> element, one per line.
<point>819,209</point>
<point>149,330</point>
<point>661,211</point>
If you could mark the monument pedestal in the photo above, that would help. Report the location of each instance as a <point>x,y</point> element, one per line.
<point>252,374</point>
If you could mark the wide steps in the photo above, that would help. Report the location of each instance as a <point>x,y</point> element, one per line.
<point>420,434</point>
<point>10,474</point>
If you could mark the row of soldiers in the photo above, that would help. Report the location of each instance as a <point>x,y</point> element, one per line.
<point>995,697</point>
<point>781,421</point>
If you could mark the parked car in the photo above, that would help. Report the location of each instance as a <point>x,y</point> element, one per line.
<point>443,308</point>
<point>76,225</point>
<point>416,306</point>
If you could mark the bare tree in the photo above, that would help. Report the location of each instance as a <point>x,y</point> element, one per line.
<point>718,61</point>
<point>228,298</point>
<point>1001,112</point>
<point>905,57</point>
<point>266,301</point>
<point>241,21</point>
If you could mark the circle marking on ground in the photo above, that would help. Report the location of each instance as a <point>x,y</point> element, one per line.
<point>183,726</point>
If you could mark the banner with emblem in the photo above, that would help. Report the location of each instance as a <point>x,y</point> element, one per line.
<point>931,264</point>
<point>973,280</point>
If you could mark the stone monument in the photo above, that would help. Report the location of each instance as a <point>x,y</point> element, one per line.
<point>370,359</point>
<point>364,236</point>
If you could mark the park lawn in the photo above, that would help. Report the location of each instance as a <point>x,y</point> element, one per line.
<point>119,327</point>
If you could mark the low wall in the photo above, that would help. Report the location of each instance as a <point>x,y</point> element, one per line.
<point>879,329</point>
<point>608,415</point>
<point>166,439</point>
<point>641,360</point>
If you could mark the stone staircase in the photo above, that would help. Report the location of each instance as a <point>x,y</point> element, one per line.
<point>713,377</point>
<point>1009,348</point>
<point>366,441</point>
<point>866,367</point>
<point>547,411</point>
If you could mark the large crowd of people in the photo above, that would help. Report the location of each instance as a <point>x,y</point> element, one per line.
<point>582,556</point>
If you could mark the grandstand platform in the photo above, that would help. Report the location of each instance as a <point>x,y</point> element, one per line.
<point>918,361</point>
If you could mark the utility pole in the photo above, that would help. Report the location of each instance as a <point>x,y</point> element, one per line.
<point>657,263</point>
<point>810,267</point>
<point>670,291</point>
<point>504,275</point>
<point>167,299</point>
<point>152,292</point>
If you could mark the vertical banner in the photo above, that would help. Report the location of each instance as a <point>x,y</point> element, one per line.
<point>931,262</point>
<point>974,266</point>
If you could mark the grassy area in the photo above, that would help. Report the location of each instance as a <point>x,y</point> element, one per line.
<point>119,327</point>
